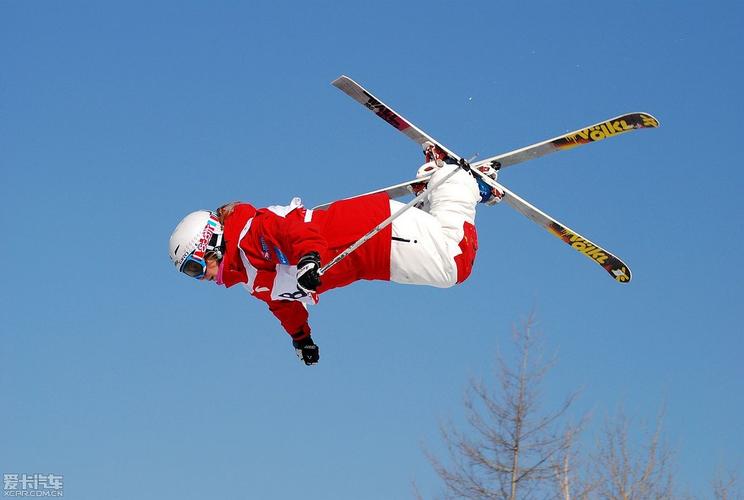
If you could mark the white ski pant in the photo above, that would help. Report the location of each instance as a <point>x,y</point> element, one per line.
<point>426,241</point>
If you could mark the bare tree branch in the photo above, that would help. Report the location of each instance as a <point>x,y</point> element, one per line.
<point>514,447</point>
<point>725,487</point>
<point>626,472</point>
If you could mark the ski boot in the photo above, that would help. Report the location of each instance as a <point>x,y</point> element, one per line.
<point>434,160</point>
<point>489,195</point>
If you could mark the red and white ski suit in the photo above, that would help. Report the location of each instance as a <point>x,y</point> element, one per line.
<point>435,246</point>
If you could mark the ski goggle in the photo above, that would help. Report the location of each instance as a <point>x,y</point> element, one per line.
<point>195,264</point>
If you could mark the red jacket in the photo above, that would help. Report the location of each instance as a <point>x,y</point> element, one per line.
<point>260,245</point>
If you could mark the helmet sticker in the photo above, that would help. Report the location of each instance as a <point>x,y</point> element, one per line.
<point>203,245</point>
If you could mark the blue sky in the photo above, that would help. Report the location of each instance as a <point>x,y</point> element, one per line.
<point>119,118</point>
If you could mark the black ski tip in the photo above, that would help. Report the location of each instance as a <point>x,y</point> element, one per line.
<point>620,272</point>
<point>647,120</point>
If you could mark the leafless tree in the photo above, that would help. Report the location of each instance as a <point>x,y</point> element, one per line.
<point>516,449</point>
<point>512,449</point>
<point>726,488</point>
<point>570,481</point>
<point>627,469</point>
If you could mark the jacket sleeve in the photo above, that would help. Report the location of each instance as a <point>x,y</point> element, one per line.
<point>293,317</point>
<point>295,235</point>
<point>291,314</point>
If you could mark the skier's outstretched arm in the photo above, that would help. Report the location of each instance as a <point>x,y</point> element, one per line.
<point>294,319</point>
<point>290,314</point>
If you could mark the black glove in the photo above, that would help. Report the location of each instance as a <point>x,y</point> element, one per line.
<point>308,278</point>
<point>307,351</point>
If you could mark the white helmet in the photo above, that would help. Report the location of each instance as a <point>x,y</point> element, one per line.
<point>196,235</point>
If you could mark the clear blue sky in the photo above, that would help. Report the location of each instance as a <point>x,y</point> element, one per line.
<point>116,119</point>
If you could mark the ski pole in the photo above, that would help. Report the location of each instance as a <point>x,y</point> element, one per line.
<point>382,225</point>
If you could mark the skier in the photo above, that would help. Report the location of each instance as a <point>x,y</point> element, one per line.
<point>276,252</point>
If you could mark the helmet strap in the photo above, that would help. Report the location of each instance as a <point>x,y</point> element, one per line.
<point>217,246</point>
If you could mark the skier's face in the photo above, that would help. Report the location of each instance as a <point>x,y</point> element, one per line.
<point>212,269</point>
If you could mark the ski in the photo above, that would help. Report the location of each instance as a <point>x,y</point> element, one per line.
<point>395,191</point>
<point>363,97</point>
<point>617,269</point>
<point>593,133</point>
